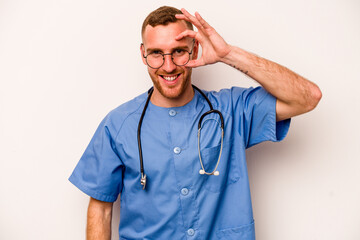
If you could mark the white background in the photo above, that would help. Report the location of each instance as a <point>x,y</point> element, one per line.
<point>65,64</point>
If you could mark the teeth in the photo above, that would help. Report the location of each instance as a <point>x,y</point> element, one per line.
<point>170,78</point>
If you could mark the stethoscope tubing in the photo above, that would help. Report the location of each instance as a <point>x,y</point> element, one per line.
<point>212,110</point>
<point>143,175</point>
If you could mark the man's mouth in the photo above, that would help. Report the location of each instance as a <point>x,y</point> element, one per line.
<point>170,78</point>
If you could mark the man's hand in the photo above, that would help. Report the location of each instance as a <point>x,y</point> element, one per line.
<point>99,220</point>
<point>214,47</point>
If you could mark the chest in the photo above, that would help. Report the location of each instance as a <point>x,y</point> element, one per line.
<point>171,148</point>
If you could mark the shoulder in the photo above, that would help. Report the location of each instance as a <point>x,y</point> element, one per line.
<point>116,117</point>
<point>237,98</point>
<point>227,94</point>
<point>129,107</point>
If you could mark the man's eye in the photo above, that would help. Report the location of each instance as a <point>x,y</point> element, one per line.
<point>156,52</point>
<point>179,52</point>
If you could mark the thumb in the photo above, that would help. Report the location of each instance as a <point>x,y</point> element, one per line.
<point>195,63</point>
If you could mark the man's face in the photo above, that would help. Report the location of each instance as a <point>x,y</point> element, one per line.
<point>171,82</point>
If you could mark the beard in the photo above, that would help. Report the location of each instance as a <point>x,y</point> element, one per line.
<point>172,92</point>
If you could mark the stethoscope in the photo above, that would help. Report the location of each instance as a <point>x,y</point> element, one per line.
<point>202,170</point>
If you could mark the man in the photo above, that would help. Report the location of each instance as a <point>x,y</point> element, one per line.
<point>189,185</point>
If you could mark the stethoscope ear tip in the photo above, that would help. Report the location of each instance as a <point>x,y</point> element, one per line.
<point>202,172</point>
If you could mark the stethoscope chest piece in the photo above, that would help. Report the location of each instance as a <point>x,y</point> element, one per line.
<point>143,180</point>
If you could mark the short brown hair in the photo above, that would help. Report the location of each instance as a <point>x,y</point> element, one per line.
<point>163,16</point>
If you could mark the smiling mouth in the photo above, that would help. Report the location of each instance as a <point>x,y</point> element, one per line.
<point>170,78</point>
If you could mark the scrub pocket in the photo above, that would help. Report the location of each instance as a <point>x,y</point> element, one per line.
<point>229,171</point>
<point>245,232</point>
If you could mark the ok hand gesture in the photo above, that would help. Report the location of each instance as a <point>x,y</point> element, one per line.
<point>214,47</point>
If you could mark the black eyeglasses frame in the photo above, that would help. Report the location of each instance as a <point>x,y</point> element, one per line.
<point>172,59</point>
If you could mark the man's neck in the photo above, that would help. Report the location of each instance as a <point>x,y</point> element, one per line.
<point>161,101</point>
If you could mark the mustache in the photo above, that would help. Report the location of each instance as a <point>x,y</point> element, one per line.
<point>175,72</point>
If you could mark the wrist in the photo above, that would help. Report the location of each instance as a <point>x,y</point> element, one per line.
<point>238,59</point>
<point>234,56</point>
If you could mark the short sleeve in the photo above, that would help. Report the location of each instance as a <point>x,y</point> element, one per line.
<point>100,169</point>
<point>258,117</point>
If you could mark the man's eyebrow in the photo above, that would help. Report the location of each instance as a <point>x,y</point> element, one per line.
<point>160,50</point>
<point>153,49</point>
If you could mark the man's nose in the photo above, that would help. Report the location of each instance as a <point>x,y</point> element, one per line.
<point>169,65</point>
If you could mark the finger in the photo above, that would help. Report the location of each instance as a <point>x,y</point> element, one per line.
<point>195,63</point>
<point>202,21</point>
<point>186,33</point>
<point>191,19</point>
<point>181,17</point>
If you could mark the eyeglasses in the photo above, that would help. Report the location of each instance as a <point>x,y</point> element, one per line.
<point>180,57</point>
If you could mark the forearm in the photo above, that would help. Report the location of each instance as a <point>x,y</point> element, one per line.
<point>288,87</point>
<point>99,220</point>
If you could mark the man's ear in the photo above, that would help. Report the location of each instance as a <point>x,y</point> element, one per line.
<point>195,50</point>
<point>142,52</point>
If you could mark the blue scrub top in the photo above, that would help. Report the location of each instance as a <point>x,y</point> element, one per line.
<point>178,202</point>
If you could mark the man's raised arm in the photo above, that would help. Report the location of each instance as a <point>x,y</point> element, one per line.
<point>295,95</point>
